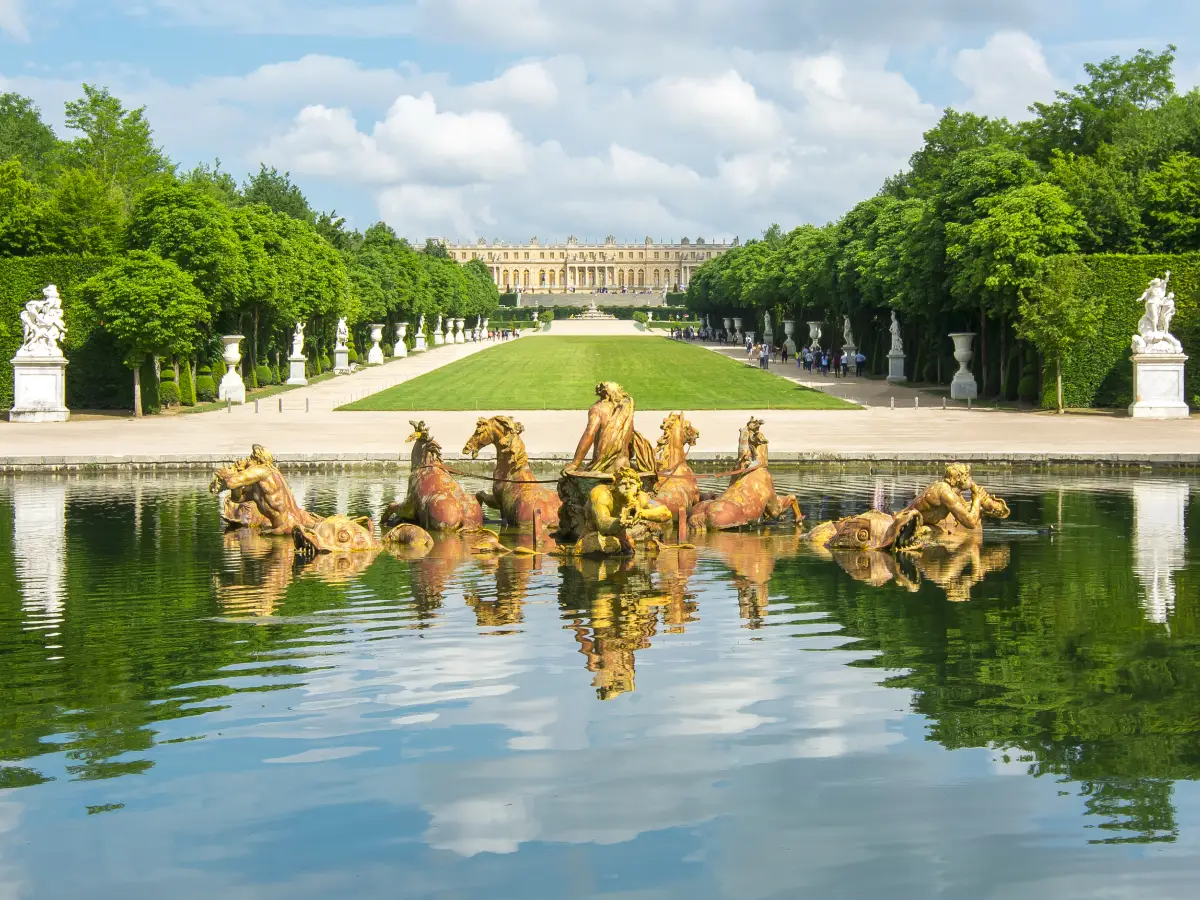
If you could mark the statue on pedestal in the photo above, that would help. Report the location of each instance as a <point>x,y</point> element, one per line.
<point>298,340</point>
<point>897,340</point>
<point>343,332</point>
<point>847,334</point>
<point>1154,328</point>
<point>44,326</point>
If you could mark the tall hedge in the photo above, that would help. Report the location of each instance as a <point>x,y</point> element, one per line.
<point>1099,372</point>
<point>95,376</point>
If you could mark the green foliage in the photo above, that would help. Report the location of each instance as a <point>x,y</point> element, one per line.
<point>351,353</point>
<point>277,192</point>
<point>151,400</point>
<point>1098,372</point>
<point>546,316</point>
<point>95,376</point>
<point>187,385</point>
<point>218,368</point>
<point>1058,313</point>
<point>264,375</point>
<point>1172,199</point>
<point>24,137</point>
<point>1027,388</point>
<point>206,386</point>
<point>640,317</point>
<point>149,306</point>
<point>20,211</point>
<point>169,394</point>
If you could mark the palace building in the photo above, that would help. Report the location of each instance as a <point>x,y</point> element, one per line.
<point>563,267</point>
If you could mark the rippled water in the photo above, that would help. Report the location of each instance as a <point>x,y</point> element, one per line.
<point>186,714</point>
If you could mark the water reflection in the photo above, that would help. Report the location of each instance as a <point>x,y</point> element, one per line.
<point>450,666</point>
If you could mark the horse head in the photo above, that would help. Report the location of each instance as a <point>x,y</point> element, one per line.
<point>426,450</point>
<point>677,434</point>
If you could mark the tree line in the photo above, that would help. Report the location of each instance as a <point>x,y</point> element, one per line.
<point>978,233</point>
<point>195,254</point>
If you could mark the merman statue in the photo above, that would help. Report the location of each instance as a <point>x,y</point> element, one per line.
<point>618,516</point>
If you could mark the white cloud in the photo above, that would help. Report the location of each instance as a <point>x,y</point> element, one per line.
<point>725,106</point>
<point>1005,75</point>
<point>12,22</point>
<point>526,83</point>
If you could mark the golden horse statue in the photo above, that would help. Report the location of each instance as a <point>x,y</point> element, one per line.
<point>751,496</point>
<point>515,491</point>
<point>435,501</point>
<point>676,487</point>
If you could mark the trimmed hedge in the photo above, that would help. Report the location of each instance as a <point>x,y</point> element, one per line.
<point>206,388</point>
<point>96,377</point>
<point>264,375</point>
<point>151,401</point>
<point>168,389</point>
<point>187,387</point>
<point>1099,373</point>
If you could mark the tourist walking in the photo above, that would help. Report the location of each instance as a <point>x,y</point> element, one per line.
<point>859,362</point>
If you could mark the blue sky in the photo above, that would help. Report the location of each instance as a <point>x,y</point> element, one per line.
<point>510,118</point>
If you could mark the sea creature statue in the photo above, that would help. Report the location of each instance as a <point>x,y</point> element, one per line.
<point>751,495</point>
<point>1154,328</point>
<point>614,445</point>
<point>42,321</point>
<point>515,491</point>
<point>619,517</point>
<point>259,496</point>
<point>676,486</point>
<point>335,534</point>
<point>435,501</point>
<point>939,512</point>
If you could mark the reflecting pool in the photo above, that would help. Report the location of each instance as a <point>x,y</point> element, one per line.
<point>185,713</point>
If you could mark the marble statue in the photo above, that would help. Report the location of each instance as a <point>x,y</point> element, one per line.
<point>1154,328</point>
<point>847,334</point>
<point>768,332</point>
<point>897,340</point>
<point>298,340</point>
<point>343,332</point>
<point>44,326</point>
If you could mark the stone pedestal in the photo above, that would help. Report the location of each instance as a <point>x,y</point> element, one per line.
<point>438,337</point>
<point>459,336</point>
<point>814,335</point>
<point>232,388</point>
<point>341,360</point>
<point>401,349</point>
<point>963,387</point>
<point>849,351</point>
<point>39,389</point>
<point>789,329</point>
<point>375,354</point>
<point>419,343</point>
<point>296,370</point>
<point>896,368</point>
<point>1158,386</point>
<point>737,331</point>
<point>1159,543</point>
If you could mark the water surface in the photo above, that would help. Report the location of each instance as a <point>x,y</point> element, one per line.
<point>188,714</point>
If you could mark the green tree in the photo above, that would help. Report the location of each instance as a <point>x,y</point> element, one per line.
<point>275,190</point>
<point>1104,192</point>
<point>150,307</point>
<point>21,205</point>
<point>1057,311</point>
<point>212,179</point>
<point>24,136</point>
<point>116,142</point>
<point>185,224</point>
<point>435,248</point>
<point>83,214</point>
<point>1172,200</point>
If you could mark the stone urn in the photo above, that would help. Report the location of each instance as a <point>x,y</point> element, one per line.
<point>789,329</point>
<point>401,349</point>
<point>814,335</point>
<point>459,337</point>
<point>963,387</point>
<point>737,330</point>
<point>728,328</point>
<point>232,387</point>
<point>375,354</point>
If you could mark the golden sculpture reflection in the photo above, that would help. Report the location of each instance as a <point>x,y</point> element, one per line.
<point>752,558</point>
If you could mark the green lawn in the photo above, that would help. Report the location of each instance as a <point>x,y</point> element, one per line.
<point>562,372</point>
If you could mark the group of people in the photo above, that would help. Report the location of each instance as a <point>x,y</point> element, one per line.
<point>826,361</point>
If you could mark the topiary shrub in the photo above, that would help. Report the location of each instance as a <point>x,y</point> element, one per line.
<point>218,369</point>
<point>168,390</point>
<point>640,317</point>
<point>352,354</point>
<point>263,375</point>
<point>206,388</point>
<point>1027,389</point>
<point>276,375</point>
<point>150,397</point>
<point>187,387</point>
<point>324,362</point>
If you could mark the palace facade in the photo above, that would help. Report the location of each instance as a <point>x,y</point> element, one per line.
<point>572,265</point>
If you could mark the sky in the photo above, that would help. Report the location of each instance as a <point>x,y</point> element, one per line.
<point>509,119</point>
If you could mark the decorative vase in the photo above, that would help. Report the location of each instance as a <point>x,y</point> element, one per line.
<point>963,387</point>
<point>232,387</point>
<point>375,354</point>
<point>814,335</point>
<point>401,349</point>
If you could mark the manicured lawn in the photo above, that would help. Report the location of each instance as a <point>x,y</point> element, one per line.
<point>562,372</point>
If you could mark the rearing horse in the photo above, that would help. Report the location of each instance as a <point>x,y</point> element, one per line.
<point>751,495</point>
<point>676,486</point>
<point>515,491</point>
<point>435,501</point>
